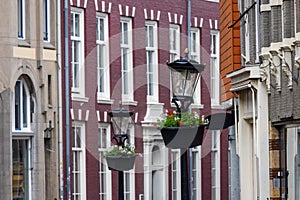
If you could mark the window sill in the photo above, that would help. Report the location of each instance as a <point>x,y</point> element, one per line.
<point>48,45</point>
<point>129,103</point>
<point>23,43</point>
<point>105,101</point>
<point>80,98</point>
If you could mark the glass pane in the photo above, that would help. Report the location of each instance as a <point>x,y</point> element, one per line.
<point>77,25</point>
<point>125,33</point>
<point>20,166</point>
<point>151,38</point>
<point>104,138</point>
<point>174,197</point>
<point>101,74</point>
<point>25,107</point>
<point>72,24</point>
<point>101,26</point>
<point>78,134</point>
<point>17,105</point>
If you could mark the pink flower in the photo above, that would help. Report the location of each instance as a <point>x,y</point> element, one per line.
<point>170,112</point>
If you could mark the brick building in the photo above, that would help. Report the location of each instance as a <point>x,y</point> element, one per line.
<point>118,52</point>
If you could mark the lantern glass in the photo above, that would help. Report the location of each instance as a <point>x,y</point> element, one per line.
<point>184,82</point>
<point>120,124</point>
<point>120,119</point>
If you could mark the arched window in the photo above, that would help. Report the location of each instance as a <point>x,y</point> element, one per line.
<point>22,109</point>
<point>23,106</point>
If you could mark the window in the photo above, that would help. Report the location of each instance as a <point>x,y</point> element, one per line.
<point>195,55</point>
<point>78,161</point>
<point>176,178</point>
<point>102,57</point>
<point>214,68</point>
<point>21,19</point>
<point>21,140</point>
<point>152,63</point>
<point>21,176</point>
<point>77,51</point>
<point>104,173</point>
<point>174,42</point>
<point>126,59</point>
<point>196,172</point>
<point>23,106</point>
<point>49,90</point>
<point>215,164</point>
<point>46,19</point>
<point>129,192</point>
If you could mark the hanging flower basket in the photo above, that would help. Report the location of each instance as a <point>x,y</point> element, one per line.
<point>182,137</point>
<point>120,163</point>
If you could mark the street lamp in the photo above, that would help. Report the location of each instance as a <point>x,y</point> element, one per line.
<point>120,118</point>
<point>185,74</point>
<point>184,78</point>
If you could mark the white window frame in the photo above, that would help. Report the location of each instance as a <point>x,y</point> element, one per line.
<point>130,173</point>
<point>152,76</point>
<point>103,95</point>
<point>175,157</point>
<point>197,170</point>
<point>81,151</point>
<point>195,55</point>
<point>127,83</point>
<point>22,88</point>
<point>174,30</point>
<point>215,69</point>
<point>21,19</point>
<point>79,90</point>
<point>46,20</point>
<point>215,171</point>
<point>101,151</point>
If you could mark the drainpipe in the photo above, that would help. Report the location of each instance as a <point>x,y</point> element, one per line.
<point>59,77</point>
<point>189,48</point>
<point>67,98</point>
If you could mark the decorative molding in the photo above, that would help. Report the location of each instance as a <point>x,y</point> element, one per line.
<point>275,68</point>
<point>79,116</point>
<point>103,6</point>
<point>151,14</point>
<point>264,69</point>
<point>79,3</point>
<point>129,11</point>
<point>174,19</point>
<point>286,65</point>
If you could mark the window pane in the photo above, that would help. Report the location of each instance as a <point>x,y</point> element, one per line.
<point>25,107</point>
<point>101,72</point>
<point>20,177</point>
<point>77,25</point>
<point>17,105</point>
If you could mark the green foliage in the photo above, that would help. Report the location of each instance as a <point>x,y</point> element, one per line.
<point>124,151</point>
<point>173,119</point>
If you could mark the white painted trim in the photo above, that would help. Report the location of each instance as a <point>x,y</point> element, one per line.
<point>158,15</point>
<point>98,115</point>
<point>152,14</point>
<point>181,19</point>
<point>109,7</point>
<point>127,11</point>
<point>71,2</point>
<point>216,24</point>
<point>120,9</point>
<point>96,4</point>
<point>133,11</point>
<point>265,7</point>
<point>79,114</point>
<point>145,13</point>
<point>85,3</point>
<point>170,18</point>
<point>210,24</point>
<point>201,22</point>
<point>87,114</point>
<point>72,113</point>
<point>103,6</point>
<point>175,18</point>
